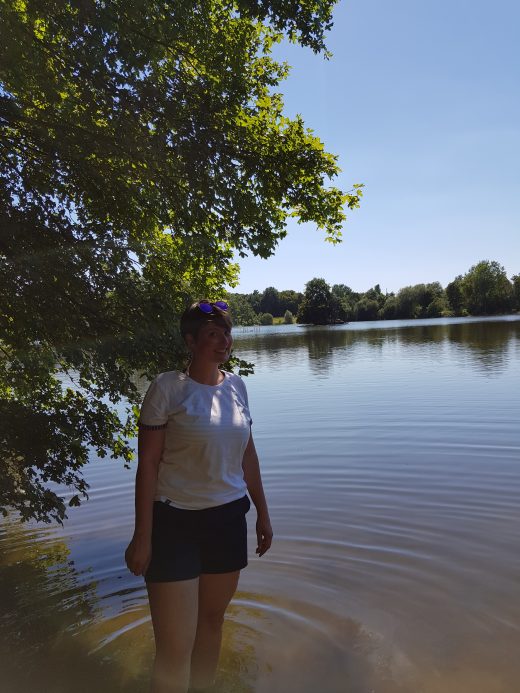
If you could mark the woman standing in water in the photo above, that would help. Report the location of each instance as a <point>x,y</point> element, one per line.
<point>196,461</point>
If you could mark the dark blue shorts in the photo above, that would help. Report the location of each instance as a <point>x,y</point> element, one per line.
<point>187,543</point>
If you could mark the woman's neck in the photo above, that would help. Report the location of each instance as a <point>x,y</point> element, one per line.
<point>204,373</point>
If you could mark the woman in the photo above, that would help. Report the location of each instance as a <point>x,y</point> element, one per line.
<point>197,458</point>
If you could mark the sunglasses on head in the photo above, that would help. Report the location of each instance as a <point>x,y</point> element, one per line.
<point>207,306</point>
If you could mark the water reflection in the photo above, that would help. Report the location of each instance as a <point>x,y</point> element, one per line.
<point>488,344</point>
<point>48,613</point>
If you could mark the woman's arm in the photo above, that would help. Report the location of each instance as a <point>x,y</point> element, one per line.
<point>150,446</point>
<point>253,479</point>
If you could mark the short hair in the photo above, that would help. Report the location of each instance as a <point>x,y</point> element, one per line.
<point>194,318</point>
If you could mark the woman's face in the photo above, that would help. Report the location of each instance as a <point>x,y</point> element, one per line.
<point>212,344</point>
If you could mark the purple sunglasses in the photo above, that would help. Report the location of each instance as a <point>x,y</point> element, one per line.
<point>207,306</point>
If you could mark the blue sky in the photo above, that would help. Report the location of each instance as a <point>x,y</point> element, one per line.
<point>421,102</point>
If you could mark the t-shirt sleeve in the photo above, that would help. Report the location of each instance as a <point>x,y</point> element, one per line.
<point>154,411</point>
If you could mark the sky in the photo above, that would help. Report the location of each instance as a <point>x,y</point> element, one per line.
<point>421,103</point>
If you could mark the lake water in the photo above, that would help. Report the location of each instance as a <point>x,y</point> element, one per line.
<point>391,460</point>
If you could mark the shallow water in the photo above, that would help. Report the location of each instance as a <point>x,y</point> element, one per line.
<point>391,458</point>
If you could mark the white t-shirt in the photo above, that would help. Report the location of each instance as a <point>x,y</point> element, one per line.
<point>207,430</point>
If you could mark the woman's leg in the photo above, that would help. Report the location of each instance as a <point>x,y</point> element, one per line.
<point>215,593</point>
<point>174,608</point>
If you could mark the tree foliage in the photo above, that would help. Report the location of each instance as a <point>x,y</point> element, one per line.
<point>420,301</point>
<point>366,309</point>
<point>142,144</point>
<point>270,302</point>
<point>486,288</point>
<point>516,291</point>
<point>290,300</point>
<point>241,310</point>
<point>266,319</point>
<point>319,306</point>
<point>455,296</point>
<point>347,299</point>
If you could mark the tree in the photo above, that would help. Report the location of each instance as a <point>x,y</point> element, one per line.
<point>486,289</point>
<point>366,309</point>
<point>266,319</point>
<point>142,145</point>
<point>375,294</point>
<point>439,307</point>
<point>254,300</point>
<point>432,293</point>
<point>319,305</point>
<point>344,291</point>
<point>241,311</point>
<point>347,299</point>
<point>390,309</point>
<point>270,302</point>
<point>290,300</point>
<point>455,296</point>
<point>419,301</point>
<point>288,317</point>
<point>408,302</point>
<point>516,291</point>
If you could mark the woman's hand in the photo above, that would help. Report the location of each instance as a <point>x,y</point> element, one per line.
<point>253,479</point>
<point>264,534</point>
<point>138,555</point>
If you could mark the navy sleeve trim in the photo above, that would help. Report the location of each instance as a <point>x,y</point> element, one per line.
<point>146,427</point>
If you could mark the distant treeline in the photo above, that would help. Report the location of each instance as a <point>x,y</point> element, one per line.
<point>485,289</point>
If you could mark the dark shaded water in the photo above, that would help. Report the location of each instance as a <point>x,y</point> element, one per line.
<point>391,457</point>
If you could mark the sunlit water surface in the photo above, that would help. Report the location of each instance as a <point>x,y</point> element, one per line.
<point>391,459</point>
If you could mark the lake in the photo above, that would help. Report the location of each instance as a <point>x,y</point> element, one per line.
<point>391,461</point>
